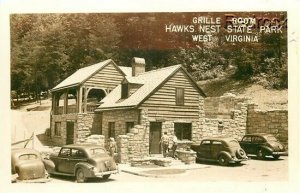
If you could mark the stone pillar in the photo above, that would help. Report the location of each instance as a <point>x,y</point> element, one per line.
<point>122,148</point>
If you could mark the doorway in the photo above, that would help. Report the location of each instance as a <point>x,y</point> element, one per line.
<point>154,138</point>
<point>70,132</point>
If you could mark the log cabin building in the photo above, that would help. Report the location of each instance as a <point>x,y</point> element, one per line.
<point>115,101</point>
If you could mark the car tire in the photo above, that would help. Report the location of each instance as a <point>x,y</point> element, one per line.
<point>276,156</point>
<point>223,160</point>
<point>80,177</point>
<point>240,153</point>
<point>260,154</point>
<point>105,177</point>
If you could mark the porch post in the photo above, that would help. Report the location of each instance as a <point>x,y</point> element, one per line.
<point>65,110</point>
<point>79,99</point>
<point>53,102</point>
<point>85,100</point>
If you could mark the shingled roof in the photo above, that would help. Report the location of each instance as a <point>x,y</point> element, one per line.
<point>81,75</point>
<point>149,81</point>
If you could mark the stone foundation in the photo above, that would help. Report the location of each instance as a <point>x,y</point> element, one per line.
<point>186,156</point>
<point>85,124</point>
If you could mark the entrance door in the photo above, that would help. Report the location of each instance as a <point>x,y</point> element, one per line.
<point>154,138</point>
<point>70,133</point>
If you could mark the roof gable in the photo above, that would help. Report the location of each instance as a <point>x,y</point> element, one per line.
<point>150,81</point>
<point>83,74</point>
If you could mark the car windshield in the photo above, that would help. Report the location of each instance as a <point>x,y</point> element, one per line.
<point>233,143</point>
<point>28,157</point>
<point>271,138</point>
<point>96,151</point>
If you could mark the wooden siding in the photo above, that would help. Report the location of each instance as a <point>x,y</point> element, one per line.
<point>162,104</point>
<point>108,78</point>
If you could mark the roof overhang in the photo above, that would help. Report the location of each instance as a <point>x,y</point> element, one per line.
<point>115,108</point>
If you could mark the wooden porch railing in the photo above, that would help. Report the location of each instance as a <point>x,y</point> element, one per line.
<point>72,109</point>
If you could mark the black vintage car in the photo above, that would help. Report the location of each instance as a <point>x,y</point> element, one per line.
<point>262,145</point>
<point>224,150</point>
<point>82,161</point>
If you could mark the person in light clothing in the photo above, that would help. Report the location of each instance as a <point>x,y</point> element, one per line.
<point>174,147</point>
<point>112,147</point>
<point>164,141</point>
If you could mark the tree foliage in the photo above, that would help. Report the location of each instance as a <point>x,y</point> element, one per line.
<point>47,48</point>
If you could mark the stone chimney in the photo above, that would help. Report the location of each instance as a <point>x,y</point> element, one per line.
<point>138,66</point>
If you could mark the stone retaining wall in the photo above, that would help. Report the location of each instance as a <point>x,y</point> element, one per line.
<point>271,121</point>
<point>232,125</point>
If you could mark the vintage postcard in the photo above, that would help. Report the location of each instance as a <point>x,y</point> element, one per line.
<point>128,98</point>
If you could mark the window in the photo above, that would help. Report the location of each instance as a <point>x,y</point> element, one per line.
<point>111,129</point>
<point>28,157</point>
<point>257,139</point>
<point>129,125</point>
<point>124,91</point>
<point>183,131</point>
<point>217,143</point>
<point>76,153</point>
<point>57,129</point>
<point>205,142</point>
<point>65,152</point>
<point>247,139</point>
<point>179,96</point>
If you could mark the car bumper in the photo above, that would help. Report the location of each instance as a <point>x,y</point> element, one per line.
<point>235,160</point>
<point>38,180</point>
<point>101,174</point>
<point>279,153</point>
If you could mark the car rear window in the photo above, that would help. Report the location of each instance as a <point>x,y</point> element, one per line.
<point>271,138</point>
<point>28,157</point>
<point>97,151</point>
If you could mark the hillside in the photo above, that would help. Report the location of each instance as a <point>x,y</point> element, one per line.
<point>264,97</point>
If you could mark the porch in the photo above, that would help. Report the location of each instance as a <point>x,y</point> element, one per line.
<point>77,100</point>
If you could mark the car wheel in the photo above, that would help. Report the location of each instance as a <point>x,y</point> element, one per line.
<point>260,154</point>
<point>240,153</point>
<point>80,178</point>
<point>276,156</point>
<point>223,160</point>
<point>105,177</point>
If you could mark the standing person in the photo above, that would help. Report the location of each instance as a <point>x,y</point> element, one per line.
<point>164,141</point>
<point>112,147</point>
<point>174,147</point>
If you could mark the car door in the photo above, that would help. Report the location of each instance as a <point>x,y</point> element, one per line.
<point>216,148</point>
<point>257,142</point>
<point>77,156</point>
<point>204,149</point>
<point>246,144</point>
<point>62,164</point>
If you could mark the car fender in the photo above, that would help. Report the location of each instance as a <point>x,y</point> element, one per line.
<point>224,153</point>
<point>86,167</point>
<point>49,166</point>
<point>267,149</point>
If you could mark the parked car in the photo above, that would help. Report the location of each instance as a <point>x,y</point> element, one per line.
<point>224,150</point>
<point>262,144</point>
<point>27,166</point>
<point>81,161</point>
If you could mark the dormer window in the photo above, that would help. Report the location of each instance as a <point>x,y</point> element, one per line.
<point>124,91</point>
